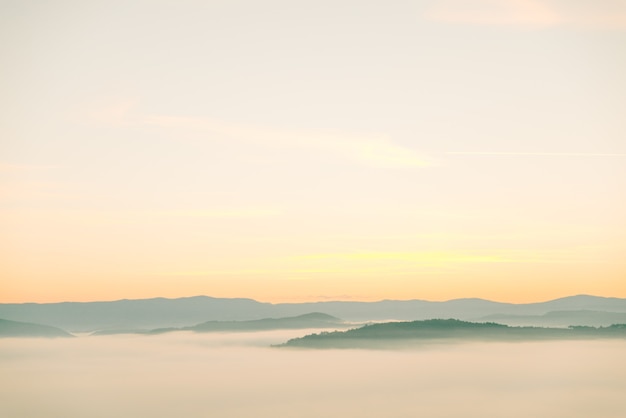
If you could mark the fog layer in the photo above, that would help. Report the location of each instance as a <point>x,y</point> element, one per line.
<point>238,375</point>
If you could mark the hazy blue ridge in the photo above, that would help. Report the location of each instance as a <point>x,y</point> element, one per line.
<point>560,318</point>
<point>27,329</point>
<point>310,320</point>
<point>305,321</point>
<point>149,314</point>
<point>398,333</point>
<point>135,314</point>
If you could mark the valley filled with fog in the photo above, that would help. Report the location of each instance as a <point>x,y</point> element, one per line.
<point>189,374</point>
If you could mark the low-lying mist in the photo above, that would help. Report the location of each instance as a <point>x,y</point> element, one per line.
<point>187,374</point>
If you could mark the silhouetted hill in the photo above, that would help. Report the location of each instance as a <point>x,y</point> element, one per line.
<point>393,334</point>
<point>310,320</point>
<point>27,329</point>
<point>306,321</point>
<point>167,313</point>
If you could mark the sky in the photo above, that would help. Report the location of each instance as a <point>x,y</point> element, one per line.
<point>299,151</point>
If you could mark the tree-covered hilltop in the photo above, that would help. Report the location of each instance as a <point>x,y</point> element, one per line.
<point>393,333</point>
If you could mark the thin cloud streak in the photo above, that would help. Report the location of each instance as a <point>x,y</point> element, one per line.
<point>25,167</point>
<point>530,13</point>
<point>426,257</point>
<point>494,12</point>
<point>374,150</point>
<point>226,213</point>
<point>437,258</point>
<point>377,150</point>
<point>540,154</point>
<point>292,274</point>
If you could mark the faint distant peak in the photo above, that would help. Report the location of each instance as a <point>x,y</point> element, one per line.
<point>317,316</point>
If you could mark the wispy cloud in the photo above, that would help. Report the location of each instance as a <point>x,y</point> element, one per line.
<point>116,113</point>
<point>150,216</point>
<point>301,273</point>
<point>437,259</point>
<point>494,12</point>
<point>376,150</point>
<point>530,13</point>
<point>16,182</point>
<point>22,190</point>
<point>426,257</point>
<point>540,154</point>
<point>247,272</point>
<point>24,167</point>
<point>223,213</point>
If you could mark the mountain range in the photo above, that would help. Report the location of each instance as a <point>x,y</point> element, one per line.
<point>154,313</point>
<point>306,321</point>
<point>560,318</point>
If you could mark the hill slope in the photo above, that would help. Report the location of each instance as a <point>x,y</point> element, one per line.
<point>306,321</point>
<point>310,320</point>
<point>561,318</point>
<point>27,329</point>
<point>402,333</point>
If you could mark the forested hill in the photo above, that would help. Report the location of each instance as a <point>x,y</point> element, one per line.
<point>436,330</point>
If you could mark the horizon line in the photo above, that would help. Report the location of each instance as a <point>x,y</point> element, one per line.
<point>314,301</point>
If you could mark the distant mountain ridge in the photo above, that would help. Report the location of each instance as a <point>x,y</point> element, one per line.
<point>183,312</point>
<point>307,321</point>
<point>561,318</point>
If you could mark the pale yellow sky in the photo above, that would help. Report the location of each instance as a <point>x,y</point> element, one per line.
<point>292,151</point>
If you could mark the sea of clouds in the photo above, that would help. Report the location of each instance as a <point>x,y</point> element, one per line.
<point>191,375</point>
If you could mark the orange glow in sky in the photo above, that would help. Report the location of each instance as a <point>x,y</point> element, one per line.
<point>300,152</point>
